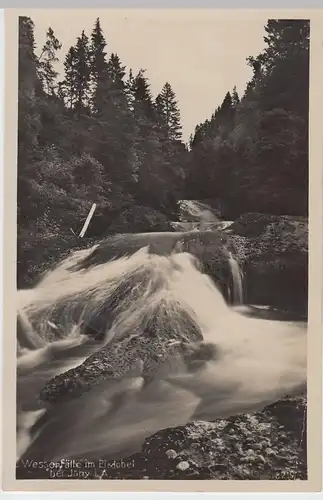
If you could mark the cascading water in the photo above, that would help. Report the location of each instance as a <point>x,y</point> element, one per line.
<point>237,281</point>
<point>127,299</point>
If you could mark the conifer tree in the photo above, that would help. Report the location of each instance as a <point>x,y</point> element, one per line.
<point>116,72</point>
<point>68,87</point>
<point>142,97</point>
<point>29,85</point>
<point>82,72</point>
<point>255,155</point>
<point>129,86</point>
<point>111,121</point>
<point>168,112</point>
<point>46,62</point>
<point>98,65</point>
<point>117,86</point>
<point>28,114</point>
<point>235,97</point>
<point>75,89</point>
<point>226,104</point>
<point>98,54</point>
<point>252,156</point>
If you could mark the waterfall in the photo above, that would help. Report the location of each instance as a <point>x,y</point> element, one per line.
<point>140,303</point>
<point>237,281</point>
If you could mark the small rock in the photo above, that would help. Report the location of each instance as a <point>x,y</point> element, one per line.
<point>245,471</point>
<point>257,446</point>
<point>171,454</point>
<point>183,465</point>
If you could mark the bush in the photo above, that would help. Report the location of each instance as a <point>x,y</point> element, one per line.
<point>138,219</point>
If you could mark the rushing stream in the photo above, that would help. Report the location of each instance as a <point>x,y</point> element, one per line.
<point>258,360</point>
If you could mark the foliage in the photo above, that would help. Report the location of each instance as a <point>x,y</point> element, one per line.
<point>92,137</point>
<point>168,112</point>
<point>253,153</point>
<point>47,61</point>
<point>140,220</point>
<point>97,134</point>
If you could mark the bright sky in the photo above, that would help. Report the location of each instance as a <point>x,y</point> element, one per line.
<point>201,53</point>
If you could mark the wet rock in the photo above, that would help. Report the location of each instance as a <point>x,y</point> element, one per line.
<point>118,359</point>
<point>183,465</point>
<point>205,451</point>
<point>255,224</point>
<point>273,253</point>
<point>171,454</point>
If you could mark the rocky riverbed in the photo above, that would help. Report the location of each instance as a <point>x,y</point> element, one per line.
<point>270,444</point>
<point>266,445</point>
<point>272,252</point>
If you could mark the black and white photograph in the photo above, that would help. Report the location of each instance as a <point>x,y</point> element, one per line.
<point>162,246</point>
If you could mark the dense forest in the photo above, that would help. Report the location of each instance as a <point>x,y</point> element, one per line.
<point>97,135</point>
<point>252,154</point>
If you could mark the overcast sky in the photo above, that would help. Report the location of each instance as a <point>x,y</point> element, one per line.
<point>201,53</point>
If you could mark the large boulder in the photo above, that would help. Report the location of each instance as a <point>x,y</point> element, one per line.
<point>152,343</point>
<point>199,226</point>
<point>197,211</point>
<point>145,355</point>
<point>252,224</point>
<point>161,335</point>
<point>209,247</point>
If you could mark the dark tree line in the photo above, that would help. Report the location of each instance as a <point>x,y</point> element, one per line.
<point>94,135</point>
<point>97,134</point>
<point>252,154</point>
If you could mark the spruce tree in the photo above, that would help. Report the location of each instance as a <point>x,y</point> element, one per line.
<point>98,66</point>
<point>235,97</point>
<point>29,86</point>
<point>142,97</point>
<point>226,104</point>
<point>225,115</point>
<point>116,72</point>
<point>117,86</point>
<point>76,92</point>
<point>111,121</point>
<point>285,39</point>
<point>97,50</point>
<point>68,87</point>
<point>29,123</point>
<point>129,89</point>
<point>46,62</point>
<point>168,112</point>
<point>82,72</point>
